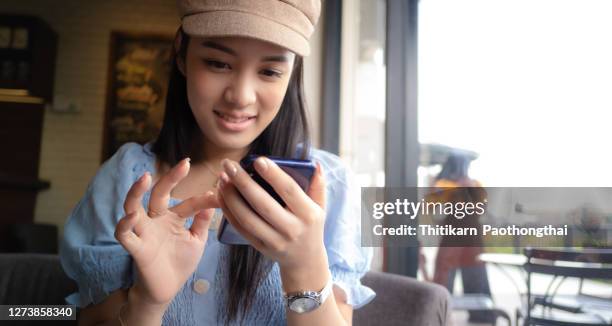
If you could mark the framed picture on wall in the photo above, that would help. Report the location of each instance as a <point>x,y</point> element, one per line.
<point>139,70</point>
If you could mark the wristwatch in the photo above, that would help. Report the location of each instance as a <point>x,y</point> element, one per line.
<point>306,301</point>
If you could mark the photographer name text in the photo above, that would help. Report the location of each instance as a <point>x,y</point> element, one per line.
<point>485,230</point>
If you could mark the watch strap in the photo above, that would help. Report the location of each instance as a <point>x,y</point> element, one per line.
<point>318,296</point>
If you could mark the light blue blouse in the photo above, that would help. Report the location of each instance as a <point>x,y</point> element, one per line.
<point>92,256</point>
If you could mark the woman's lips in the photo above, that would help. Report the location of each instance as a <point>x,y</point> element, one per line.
<point>232,122</point>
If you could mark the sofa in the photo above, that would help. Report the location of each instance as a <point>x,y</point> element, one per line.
<point>39,279</point>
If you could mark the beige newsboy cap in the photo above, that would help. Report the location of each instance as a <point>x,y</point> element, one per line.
<point>288,23</point>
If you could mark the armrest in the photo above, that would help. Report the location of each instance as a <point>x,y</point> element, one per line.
<point>401,300</point>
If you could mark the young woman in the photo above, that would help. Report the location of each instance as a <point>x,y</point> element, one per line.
<point>141,243</point>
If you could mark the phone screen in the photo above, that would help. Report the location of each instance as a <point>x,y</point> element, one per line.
<point>300,170</point>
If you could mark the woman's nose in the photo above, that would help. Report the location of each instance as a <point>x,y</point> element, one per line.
<point>241,92</point>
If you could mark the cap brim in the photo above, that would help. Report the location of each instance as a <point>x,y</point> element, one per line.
<point>233,23</point>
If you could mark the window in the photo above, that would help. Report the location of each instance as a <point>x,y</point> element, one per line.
<point>524,83</point>
<point>362,98</point>
<point>363,89</point>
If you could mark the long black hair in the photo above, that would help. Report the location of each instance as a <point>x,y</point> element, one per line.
<point>180,137</point>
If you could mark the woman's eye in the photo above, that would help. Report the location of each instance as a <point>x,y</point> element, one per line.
<point>217,64</point>
<point>271,73</point>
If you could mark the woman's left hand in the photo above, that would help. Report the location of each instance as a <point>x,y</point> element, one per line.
<point>291,235</point>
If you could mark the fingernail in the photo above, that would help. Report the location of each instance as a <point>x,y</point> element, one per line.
<point>229,168</point>
<point>143,176</point>
<point>224,178</point>
<point>262,163</point>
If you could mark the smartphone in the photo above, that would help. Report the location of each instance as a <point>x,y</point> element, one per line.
<point>300,170</point>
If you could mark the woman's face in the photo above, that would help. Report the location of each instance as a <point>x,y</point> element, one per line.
<point>235,87</point>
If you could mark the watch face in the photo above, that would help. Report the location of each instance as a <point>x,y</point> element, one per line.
<point>301,305</point>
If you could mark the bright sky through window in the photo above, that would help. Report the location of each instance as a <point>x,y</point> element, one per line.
<point>525,83</point>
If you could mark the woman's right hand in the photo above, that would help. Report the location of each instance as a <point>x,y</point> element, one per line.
<point>164,251</point>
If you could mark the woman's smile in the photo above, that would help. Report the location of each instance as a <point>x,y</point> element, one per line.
<point>234,122</point>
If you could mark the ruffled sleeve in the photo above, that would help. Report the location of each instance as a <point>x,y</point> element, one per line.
<point>348,260</point>
<point>89,252</point>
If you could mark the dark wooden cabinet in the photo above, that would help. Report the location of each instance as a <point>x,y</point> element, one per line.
<point>28,48</point>
<point>20,138</point>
